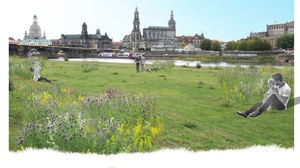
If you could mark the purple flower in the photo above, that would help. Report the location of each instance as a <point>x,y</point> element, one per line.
<point>103,131</point>
<point>20,140</point>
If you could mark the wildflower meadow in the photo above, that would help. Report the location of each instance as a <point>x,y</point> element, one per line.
<point>112,122</point>
<point>108,108</point>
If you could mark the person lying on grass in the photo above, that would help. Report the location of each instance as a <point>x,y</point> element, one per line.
<point>36,69</point>
<point>277,97</point>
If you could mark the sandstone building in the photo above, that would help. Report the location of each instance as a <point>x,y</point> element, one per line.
<point>154,37</point>
<point>96,41</point>
<point>35,35</point>
<point>274,31</point>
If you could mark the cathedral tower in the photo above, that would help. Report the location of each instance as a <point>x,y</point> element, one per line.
<point>172,22</point>
<point>136,33</point>
<point>84,32</point>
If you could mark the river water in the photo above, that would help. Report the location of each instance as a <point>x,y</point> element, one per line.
<point>176,62</point>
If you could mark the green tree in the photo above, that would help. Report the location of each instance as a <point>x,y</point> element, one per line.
<point>216,46</point>
<point>286,41</point>
<point>231,45</point>
<point>255,44</point>
<point>258,44</point>
<point>206,44</point>
<point>243,45</point>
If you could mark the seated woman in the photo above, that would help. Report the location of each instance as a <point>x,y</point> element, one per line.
<point>277,97</point>
<point>36,69</point>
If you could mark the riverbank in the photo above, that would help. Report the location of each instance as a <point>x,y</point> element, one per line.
<point>259,60</point>
<point>188,101</point>
<point>206,59</point>
<point>184,62</point>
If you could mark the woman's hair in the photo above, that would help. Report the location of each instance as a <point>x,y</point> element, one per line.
<point>277,77</point>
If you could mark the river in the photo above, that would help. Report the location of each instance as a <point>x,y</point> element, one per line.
<point>176,62</point>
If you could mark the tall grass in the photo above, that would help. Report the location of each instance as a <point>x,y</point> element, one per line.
<point>20,67</point>
<point>241,84</point>
<point>112,122</point>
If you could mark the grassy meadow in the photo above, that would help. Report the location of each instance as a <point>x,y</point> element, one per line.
<point>109,108</point>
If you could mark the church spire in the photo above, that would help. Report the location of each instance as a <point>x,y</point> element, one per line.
<point>25,36</point>
<point>136,35</point>
<point>44,36</point>
<point>136,21</point>
<point>172,22</point>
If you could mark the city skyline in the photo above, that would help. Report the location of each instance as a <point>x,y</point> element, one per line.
<point>221,20</point>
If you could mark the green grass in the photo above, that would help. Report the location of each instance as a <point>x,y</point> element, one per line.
<point>189,102</point>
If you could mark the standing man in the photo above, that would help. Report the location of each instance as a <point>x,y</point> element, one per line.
<point>276,98</point>
<point>137,63</point>
<point>143,61</point>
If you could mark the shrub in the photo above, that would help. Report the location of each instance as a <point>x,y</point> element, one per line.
<point>89,66</point>
<point>66,58</point>
<point>166,66</point>
<point>198,65</point>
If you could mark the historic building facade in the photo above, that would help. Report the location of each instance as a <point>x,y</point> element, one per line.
<point>35,35</point>
<point>274,31</point>
<point>157,33</point>
<point>86,40</point>
<point>194,40</point>
<point>154,37</point>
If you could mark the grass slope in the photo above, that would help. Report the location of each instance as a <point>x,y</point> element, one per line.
<point>189,102</point>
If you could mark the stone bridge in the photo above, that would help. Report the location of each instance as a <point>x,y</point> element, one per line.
<point>52,51</point>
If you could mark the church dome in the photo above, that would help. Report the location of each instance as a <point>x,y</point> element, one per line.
<point>35,30</point>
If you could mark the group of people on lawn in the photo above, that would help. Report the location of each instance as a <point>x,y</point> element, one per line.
<point>276,97</point>
<point>140,60</point>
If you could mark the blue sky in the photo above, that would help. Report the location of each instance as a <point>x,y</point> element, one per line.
<point>223,20</point>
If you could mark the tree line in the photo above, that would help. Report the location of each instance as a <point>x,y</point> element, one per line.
<point>254,44</point>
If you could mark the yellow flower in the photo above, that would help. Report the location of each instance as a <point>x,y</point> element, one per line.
<point>45,97</point>
<point>128,131</point>
<point>141,146</point>
<point>112,139</point>
<point>65,90</point>
<point>122,129</point>
<point>137,130</point>
<point>80,98</point>
<point>154,131</point>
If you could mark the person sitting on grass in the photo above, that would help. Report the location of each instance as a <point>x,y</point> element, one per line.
<point>36,69</point>
<point>277,97</point>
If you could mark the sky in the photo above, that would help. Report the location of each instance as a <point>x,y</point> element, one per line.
<point>222,20</point>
